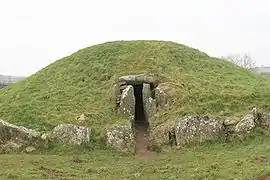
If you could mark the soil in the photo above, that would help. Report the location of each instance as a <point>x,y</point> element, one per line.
<point>141,124</point>
<point>265,177</point>
<point>261,160</point>
<point>141,139</point>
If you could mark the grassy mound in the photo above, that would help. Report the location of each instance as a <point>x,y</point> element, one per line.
<point>82,83</point>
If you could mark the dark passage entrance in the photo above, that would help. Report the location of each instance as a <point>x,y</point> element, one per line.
<point>140,122</point>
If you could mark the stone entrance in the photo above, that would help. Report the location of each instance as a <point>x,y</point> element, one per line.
<point>135,99</point>
<point>141,124</point>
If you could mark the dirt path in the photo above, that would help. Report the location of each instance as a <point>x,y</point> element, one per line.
<point>141,139</point>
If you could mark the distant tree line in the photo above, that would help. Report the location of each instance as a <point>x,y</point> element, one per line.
<point>6,80</point>
<point>242,60</point>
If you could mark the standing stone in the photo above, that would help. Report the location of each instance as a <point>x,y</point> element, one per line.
<point>127,103</point>
<point>146,92</point>
<point>197,129</point>
<point>120,138</point>
<point>149,103</point>
<point>150,108</point>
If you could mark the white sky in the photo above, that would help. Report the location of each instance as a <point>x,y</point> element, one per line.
<point>35,33</point>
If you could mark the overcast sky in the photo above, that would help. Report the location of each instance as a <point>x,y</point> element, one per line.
<point>35,33</point>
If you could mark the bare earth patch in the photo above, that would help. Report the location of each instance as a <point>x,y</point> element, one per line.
<point>142,142</point>
<point>261,160</point>
<point>265,176</point>
<point>51,173</point>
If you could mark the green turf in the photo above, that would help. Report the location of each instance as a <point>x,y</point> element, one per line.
<point>239,160</point>
<point>82,83</point>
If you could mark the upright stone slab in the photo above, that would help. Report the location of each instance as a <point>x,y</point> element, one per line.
<point>148,102</point>
<point>146,92</point>
<point>127,102</point>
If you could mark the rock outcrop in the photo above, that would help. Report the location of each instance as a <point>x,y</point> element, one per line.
<point>265,122</point>
<point>197,129</point>
<point>15,137</point>
<point>69,134</point>
<point>120,138</point>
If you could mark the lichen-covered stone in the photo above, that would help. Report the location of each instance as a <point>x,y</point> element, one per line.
<point>69,134</point>
<point>262,120</point>
<point>10,146</point>
<point>146,92</point>
<point>197,129</point>
<point>150,108</point>
<point>163,134</point>
<point>161,95</point>
<point>230,121</point>
<point>246,124</point>
<point>127,103</point>
<point>229,125</point>
<point>122,85</point>
<point>15,137</point>
<point>265,121</point>
<point>148,102</point>
<point>139,79</point>
<point>120,138</point>
<point>30,149</point>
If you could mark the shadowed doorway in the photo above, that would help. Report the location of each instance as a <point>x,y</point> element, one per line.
<point>140,122</point>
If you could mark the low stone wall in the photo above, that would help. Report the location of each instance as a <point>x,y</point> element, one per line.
<point>199,129</point>
<point>182,131</point>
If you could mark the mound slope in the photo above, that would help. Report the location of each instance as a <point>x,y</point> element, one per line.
<point>82,83</point>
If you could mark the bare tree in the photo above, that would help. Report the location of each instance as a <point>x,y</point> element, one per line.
<point>242,60</point>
